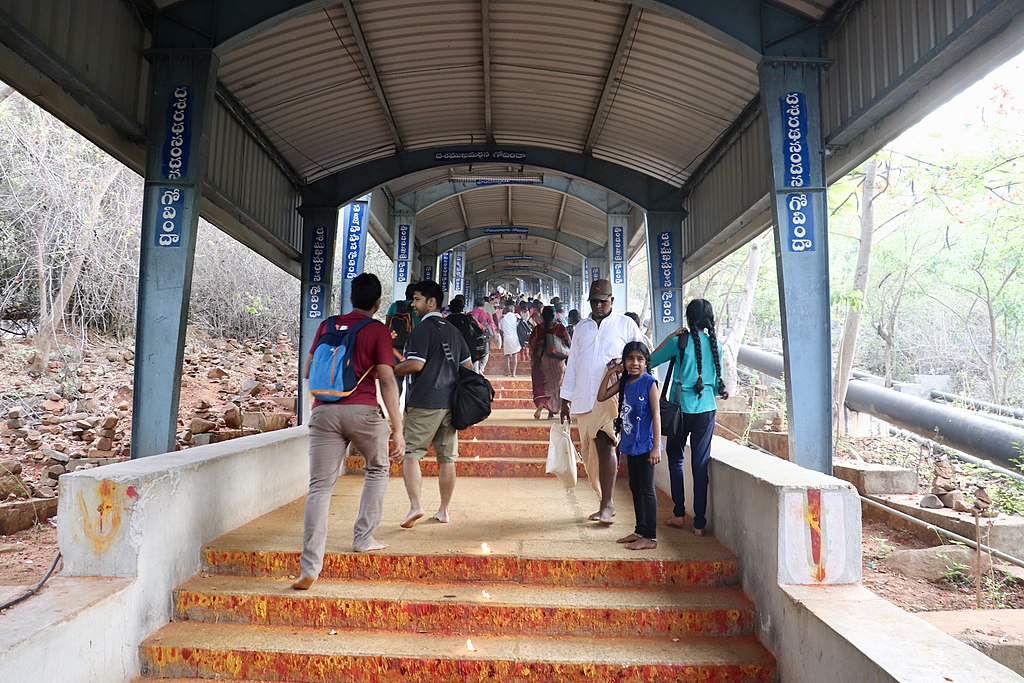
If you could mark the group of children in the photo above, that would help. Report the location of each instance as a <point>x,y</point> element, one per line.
<point>697,360</point>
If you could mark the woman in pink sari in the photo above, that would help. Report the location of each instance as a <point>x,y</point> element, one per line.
<point>547,371</point>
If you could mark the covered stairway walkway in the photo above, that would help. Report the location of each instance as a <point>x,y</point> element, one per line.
<point>554,599</point>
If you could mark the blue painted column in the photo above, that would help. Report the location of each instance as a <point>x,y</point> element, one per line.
<point>428,266</point>
<point>403,254</point>
<point>180,109</point>
<point>355,219</point>
<point>664,265</point>
<point>458,273</point>
<point>790,89</point>
<point>319,234</point>
<point>618,267</point>
<point>444,272</point>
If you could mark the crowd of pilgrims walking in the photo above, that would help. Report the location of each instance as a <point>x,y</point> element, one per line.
<point>594,371</point>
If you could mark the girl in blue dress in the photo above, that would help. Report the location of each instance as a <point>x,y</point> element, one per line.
<point>639,429</point>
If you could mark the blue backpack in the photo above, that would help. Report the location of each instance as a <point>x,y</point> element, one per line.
<point>332,376</point>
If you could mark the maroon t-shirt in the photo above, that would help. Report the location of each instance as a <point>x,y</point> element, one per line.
<point>373,348</point>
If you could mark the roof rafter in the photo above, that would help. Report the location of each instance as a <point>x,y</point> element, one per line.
<point>378,89</point>
<point>485,24</point>
<point>628,28</point>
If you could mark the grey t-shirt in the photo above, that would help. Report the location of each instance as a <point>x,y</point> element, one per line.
<point>432,386</point>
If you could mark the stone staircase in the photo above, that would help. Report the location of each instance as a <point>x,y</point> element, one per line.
<point>519,587</point>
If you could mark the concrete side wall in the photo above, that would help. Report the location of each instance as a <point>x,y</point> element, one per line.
<point>798,536</point>
<point>149,519</point>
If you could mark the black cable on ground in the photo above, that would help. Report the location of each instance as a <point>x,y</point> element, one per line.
<point>34,589</point>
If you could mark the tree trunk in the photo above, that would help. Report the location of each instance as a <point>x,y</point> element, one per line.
<point>848,345</point>
<point>731,347</point>
<point>52,316</point>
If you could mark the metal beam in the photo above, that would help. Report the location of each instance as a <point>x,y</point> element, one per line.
<point>638,188</point>
<point>485,34</point>
<point>581,246</point>
<point>378,89</point>
<point>625,38</point>
<point>585,192</point>
<point>543,265</point>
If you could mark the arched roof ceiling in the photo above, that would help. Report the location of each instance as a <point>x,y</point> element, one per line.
<point>648,86</point>
<point>511,205</point>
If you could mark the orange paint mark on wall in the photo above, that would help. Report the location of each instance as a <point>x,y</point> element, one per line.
<point>813,517</point>
<point>102,522</point>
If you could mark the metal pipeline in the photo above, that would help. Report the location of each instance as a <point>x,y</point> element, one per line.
<point>983,405</point>
<point>959,429</point>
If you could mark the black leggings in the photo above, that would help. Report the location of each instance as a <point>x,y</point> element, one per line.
<point>645,501</point>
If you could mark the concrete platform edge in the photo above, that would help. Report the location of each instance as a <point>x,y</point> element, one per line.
<point>149,519</point>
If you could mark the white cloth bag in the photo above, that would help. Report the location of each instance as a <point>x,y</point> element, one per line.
<point>562,455</point>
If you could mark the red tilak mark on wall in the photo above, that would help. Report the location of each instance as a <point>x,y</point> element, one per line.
<point>131,492</point>
<point>814,524</point>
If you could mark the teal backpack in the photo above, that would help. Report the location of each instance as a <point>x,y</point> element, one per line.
<point>332,376</point>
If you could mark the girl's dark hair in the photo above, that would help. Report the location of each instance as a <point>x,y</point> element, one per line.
<point>547,314</point>
<point>700,315</point>
<point>629,348</point>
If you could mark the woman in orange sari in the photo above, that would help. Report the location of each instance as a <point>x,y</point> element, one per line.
<point>546,370</point>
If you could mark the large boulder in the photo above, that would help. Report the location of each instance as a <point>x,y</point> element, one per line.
<point>934,564</point>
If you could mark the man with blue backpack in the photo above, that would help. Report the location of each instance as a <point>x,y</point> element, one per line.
<point>349,355</point>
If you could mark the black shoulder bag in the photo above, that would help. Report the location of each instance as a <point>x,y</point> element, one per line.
<point>671,414</point>
<point>472,396</point>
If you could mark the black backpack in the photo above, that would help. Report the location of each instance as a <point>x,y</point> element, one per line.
<point>523,332</point>
<point>471,332</point>
<point>400,325</point>
<point>472,396</point>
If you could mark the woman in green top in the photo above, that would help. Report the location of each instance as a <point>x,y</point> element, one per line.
<point>694,391</point>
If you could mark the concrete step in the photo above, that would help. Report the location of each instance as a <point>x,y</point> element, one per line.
<point>513,393</point>
<point>501,383</point>
<point>503,609</point>
<point>233,651</point>
<point>517,431</point>
<point>486,569</point>
<point>510,403</point>
<point>475,466</point>
<point>477,448</point>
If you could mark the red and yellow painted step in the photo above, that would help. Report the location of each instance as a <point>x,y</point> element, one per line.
<point>308,655</point>
<point>477,466</point>
<point>498,609</point>
<point>705,571</point>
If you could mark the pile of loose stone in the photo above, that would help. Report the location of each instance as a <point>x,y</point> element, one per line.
<point>264,403</point>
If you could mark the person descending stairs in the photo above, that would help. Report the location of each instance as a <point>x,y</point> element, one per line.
<point>519,586</point>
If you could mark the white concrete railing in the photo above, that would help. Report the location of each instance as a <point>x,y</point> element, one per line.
<point>798,537</point>
<point>149,519</point>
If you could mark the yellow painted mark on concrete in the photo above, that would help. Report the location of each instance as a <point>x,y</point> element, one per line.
<point>102,522</point>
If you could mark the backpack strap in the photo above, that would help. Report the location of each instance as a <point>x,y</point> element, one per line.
<point>448,353</point>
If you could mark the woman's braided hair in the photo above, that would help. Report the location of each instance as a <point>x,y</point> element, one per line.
<point>629,348</point>
<point>700,315</point>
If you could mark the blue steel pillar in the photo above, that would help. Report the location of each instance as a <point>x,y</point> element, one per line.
<point>618,270</point>
<point>444,272</point>
<point>180,108</point>
<point>404,236</point>
<point>319,231</point>
<point>353,248</point>
<point>791,98</point>
<point>428,266</point>
<point>458,273</point>
<point>664,264</point>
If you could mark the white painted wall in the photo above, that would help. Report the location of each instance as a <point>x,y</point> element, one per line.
<point>149,519</point>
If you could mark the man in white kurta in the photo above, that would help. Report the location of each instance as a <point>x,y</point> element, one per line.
<point>597,342</point>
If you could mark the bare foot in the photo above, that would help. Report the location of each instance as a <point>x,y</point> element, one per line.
<point>374,545</point>
<point>411,518</point>
<point>597,515</point>
<point>698,532</point>
<point>643,544</point>
<point>629,539</point>
<point>607,517</point>
<point>441,517</point>
<point>677,522</point>
<point>303,583</point>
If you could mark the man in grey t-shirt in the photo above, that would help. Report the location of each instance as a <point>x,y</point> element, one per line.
<point>428,413</point>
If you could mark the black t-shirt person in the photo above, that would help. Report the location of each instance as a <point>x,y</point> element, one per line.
<point>432,386</point>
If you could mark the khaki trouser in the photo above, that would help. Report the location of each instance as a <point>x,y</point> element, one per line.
<point>332,427</point>
<point>600,419</point>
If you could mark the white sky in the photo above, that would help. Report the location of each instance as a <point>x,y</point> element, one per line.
<point>947,123</point>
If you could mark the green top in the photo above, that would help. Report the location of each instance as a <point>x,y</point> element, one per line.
<point>686,373</point>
